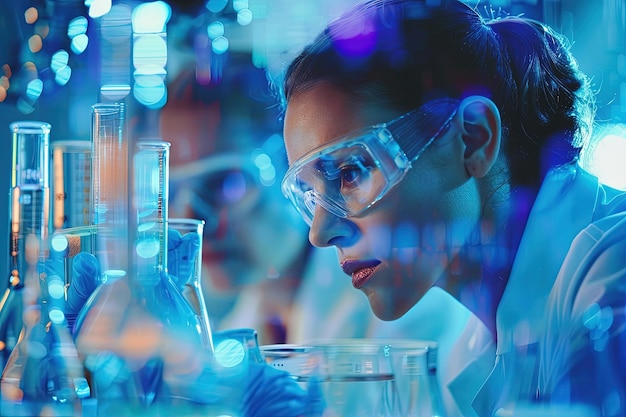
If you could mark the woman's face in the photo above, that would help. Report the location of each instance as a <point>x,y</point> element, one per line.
<point>398,248</point>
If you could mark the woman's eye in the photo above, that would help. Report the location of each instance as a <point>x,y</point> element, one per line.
<point>350,174</point>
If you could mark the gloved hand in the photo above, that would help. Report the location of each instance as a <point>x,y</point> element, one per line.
<point>85,279</point>
<point>272,392</point>
<point>181,256</point>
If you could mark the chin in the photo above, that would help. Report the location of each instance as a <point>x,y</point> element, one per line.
<point>385,308</point>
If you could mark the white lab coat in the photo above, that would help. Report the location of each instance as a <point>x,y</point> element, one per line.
<point>572,254</point>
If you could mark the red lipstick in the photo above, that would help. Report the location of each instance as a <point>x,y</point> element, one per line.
<point>361,271</point>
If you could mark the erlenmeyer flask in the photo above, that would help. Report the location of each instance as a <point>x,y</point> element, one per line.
<point>184,262</point>
<point>141,337</point>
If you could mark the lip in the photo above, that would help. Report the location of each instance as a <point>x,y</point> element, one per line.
<point>360,271</point>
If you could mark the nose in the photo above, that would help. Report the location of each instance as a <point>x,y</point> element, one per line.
<point>328,229</point>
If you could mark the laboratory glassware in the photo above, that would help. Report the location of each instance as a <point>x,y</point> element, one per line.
<point>137,331</point>
<point>110,181</point>
<point>42,370</point>
<point>73,231</point>
<point>184,261</point>
<point>416,386</point>
<point>29,219</point>
<point>71,183</point>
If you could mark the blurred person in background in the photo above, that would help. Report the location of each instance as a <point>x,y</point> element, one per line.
<point>227,158</point>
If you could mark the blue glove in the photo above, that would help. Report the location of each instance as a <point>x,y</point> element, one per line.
<point>181,256</point>
<point>272,392</point>
<point>85,279</point>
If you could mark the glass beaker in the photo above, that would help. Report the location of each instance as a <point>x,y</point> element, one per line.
<point>356,378</point>
<point>184,263</point>
<point>344,377</point>
<point>416,388</point>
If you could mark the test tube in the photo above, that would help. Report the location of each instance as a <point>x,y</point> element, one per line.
<point>150,201</point>
<point>29,224</point>
<point>29,212</point>
<point>110,185</point>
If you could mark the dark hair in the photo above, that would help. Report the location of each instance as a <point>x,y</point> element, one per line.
<point>402,53</point>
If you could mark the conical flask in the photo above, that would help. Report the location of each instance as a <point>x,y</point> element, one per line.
<point>140,336</point>
<point>184,261</point>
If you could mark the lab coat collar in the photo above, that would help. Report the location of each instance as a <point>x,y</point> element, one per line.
<point>565,205</point>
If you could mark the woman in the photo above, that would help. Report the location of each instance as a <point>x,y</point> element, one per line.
<point>434,148</point>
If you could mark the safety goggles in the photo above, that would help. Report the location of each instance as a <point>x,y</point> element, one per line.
<point>350,174</point>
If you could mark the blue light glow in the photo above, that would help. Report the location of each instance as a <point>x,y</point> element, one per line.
<point>229,353</point>
<point>220,45</point>
<point>268,176</point>
<point>262,161</point>
<point>149,49</point>
<point>216,6</point>
<point>244,17</point>
<point>63,76</point>
<point>150,91</point>
<point>606,158</point>
<point>59,60</point>
<point>77,26</point>
<point>79,43</point>
<point>98,8</point>
<point>151,17</point>
<point>56,315</point>
<point>34,89</point>
<point>56,287</point>
<point>239,5</point>
<point>215,29</point>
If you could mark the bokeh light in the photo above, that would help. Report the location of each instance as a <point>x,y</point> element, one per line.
<point>244,17</point>
<point>59,60</point>
<point>605,158</point>
<point>216,6</point>
<point>79,43</point>
<point>63,76</point>
<point>220,45</point>
<point>35,43</point>
<point>151,17</point>
<point>31,15</point>
<point>229,353</point>
<point>98,8</point>
<point>77,26</point>
<point>215,29</point>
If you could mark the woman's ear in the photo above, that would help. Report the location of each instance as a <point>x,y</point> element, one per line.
<point>481,134</point>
